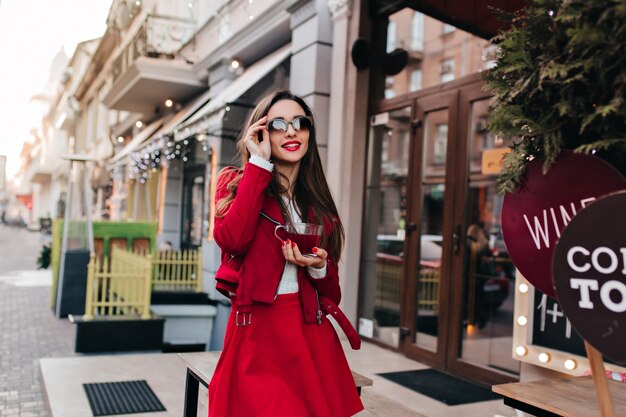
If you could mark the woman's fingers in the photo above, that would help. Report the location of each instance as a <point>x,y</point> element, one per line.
<point>256,140</point>
<point>292,254</point>
<point>288,252</point>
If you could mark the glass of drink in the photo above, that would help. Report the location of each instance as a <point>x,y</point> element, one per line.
<point>305,235</point>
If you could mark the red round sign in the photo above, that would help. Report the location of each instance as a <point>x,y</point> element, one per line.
<point>590,274</point>
<point>534,216</point>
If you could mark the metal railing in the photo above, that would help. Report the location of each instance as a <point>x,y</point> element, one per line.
<point>157,37</point>
<point>121,287</point>
<point>389,273</point>
<point>177,270</point>
<point>428,290</point>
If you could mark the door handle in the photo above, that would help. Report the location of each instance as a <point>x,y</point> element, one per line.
<point>410,227</point>
<point>456,239</point>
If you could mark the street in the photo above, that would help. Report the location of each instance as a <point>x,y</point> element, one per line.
<point>28,329</point>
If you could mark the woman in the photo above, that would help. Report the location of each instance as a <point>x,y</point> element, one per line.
<point>281,356</point>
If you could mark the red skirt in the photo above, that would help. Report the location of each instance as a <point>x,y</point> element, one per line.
<point>281,366</point>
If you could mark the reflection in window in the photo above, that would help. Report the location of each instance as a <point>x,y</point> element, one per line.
<point>447,70</point>
<point>417,32</point>
<point>448,28</point>
<point>385,213</point>
<point>389,91</point>
<point>440,144</point>
<point>391,36</point>
<point>416,80</point>
<point>490,56</point>
<point>440,52</point>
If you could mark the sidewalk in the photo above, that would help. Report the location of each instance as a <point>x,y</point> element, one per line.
<point>30,332</point>
<point>28,329</point>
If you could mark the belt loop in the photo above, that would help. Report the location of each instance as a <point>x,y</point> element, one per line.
<point>246,318</point>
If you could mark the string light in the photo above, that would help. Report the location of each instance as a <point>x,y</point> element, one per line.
<point>139,124</point>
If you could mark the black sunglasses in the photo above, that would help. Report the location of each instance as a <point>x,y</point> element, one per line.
<point>299,123</point>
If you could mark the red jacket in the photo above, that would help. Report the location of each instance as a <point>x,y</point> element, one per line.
<point>252,260</point>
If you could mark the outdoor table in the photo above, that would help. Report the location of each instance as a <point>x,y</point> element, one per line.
<point>568,397</point>
<point>200,367</point>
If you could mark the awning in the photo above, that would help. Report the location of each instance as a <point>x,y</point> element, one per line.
<point>238,87</point>
<point>184,114</point>
<point>136,142</point>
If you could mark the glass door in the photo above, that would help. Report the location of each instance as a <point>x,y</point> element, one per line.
<point>428,237</point>
<point>481,331</point>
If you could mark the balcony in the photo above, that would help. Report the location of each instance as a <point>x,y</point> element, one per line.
<point>38,171</point>
<point>148,70</point>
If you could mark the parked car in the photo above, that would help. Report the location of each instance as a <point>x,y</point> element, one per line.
<point>430,247</point>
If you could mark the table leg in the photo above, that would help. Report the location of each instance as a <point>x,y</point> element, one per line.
<point>191,395</point>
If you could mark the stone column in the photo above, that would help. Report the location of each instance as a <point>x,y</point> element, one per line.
<point>311,44</point>
<point>347,143</point>
<point>340,10</point>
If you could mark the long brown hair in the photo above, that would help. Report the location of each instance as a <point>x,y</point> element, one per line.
<point>311,192</point>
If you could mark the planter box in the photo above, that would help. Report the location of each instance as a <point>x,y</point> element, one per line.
<point>187,325</point>
<point>118,334</point>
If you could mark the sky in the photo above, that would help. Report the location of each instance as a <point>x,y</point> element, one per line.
<point>32,32</point>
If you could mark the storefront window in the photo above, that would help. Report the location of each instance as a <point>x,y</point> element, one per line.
<point>487,335</point>
<point>193,210</point>
<point>384,260</point>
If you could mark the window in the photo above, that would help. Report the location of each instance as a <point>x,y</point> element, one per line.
<point>416,80</point>
<point>447,70</point>
<point>391,36</point>
<point>417,32</point>
<point>389,91</point>
<point>440,144</point>
<point>490,55</point>
<point>448,28</point>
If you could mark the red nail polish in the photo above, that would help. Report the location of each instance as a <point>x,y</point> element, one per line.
<point>314,250</point>
<point>293,245</point>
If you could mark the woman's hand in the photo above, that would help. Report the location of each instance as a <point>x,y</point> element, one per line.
<point>292,254</point>
<point>258,148</point>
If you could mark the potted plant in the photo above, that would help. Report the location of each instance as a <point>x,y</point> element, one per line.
<point>560,83</point>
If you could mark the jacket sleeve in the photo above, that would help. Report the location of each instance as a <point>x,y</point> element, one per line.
<point>235,229</point>
<point>329,285</point>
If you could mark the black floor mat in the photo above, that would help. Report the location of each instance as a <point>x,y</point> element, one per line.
<point>441,387</point>
<point>127,397</point>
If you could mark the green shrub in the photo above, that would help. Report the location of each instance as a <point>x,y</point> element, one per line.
<point>560,83</point>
